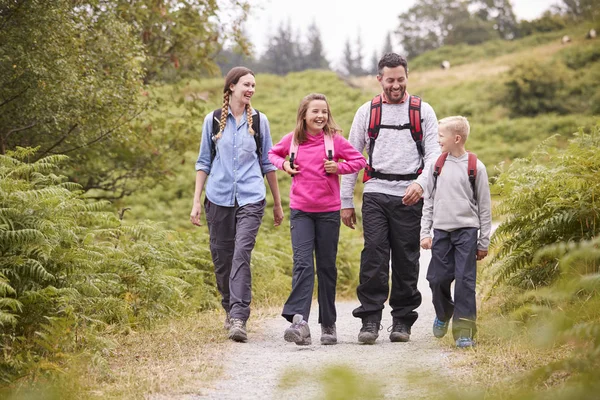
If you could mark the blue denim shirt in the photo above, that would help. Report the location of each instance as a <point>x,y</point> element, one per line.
<point>235,174</point>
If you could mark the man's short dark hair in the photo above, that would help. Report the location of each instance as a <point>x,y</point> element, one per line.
<point>391,60</point>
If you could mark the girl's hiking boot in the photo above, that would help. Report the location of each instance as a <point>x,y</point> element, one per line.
<point>400,332</point>
<point>369,332</point>
<point>237,331</point>
<point>440,328</point>
<point>298,332</point>
<point>328,335</point>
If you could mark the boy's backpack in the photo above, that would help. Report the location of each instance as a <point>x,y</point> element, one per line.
<point>255,127</point>
<point>471,170</point>
<point>416,131</point>
<point>328,149</point>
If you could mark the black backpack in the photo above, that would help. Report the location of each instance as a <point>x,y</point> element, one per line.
<point>216,127</point>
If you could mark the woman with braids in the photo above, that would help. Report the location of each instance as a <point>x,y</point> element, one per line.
<point>234,162</point>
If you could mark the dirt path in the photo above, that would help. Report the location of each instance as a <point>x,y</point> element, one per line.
<point>267,367</point>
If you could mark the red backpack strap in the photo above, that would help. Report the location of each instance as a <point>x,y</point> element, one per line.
<point>329,150</point>
<point>373,131</point>
<point>437,170</point>
<point>375,117</point>
<point>472,171</point>
<point>416,129</point>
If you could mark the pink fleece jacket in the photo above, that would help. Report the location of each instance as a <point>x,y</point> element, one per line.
<point>313,190</point>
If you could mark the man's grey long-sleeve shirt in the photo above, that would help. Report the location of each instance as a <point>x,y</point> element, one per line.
<point>395,151</point>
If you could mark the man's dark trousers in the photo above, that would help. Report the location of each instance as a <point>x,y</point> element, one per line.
<point>453,258</point>
<point>389,225</point>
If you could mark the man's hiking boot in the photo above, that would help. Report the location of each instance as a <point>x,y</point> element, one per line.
<point>369,332</point>
<point>440,328</point>
<point>400,332</point>
<point>237,331</point>
<point>465,339</point>
<point>328,335</point>
<point>298,332</point>
<point>227,323</point>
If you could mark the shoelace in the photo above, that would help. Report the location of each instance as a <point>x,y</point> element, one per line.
<point>372,326</point>
<point>237,323</point>
<point>396,327</point>
<point>329,330</point>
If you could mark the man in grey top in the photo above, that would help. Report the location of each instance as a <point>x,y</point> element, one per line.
<point>392,201</point>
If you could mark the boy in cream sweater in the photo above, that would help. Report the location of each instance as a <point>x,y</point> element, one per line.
<point>458,209</point>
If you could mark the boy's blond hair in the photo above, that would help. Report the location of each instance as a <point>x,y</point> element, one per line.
<point>456,125</point>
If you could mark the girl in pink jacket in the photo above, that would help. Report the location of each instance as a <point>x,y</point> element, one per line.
<point>315,150</point>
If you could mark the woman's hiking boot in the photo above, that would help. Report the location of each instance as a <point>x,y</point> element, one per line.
<point>298,332</point>
<point>237,331</point>
<point>369,332</point>
<point>400,332</point>
<point>328,335</point>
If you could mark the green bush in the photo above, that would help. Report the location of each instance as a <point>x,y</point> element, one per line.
<point>535,88</point>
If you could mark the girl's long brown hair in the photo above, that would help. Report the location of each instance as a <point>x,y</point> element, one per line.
<point>331,128</point>
<point>232,78</point>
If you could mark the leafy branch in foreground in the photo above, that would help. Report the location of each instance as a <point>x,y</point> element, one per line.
<point>550,197</point>
<point>70,269</point>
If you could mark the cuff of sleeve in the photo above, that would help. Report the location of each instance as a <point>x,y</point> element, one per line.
<point>421,181</point>
<point>269,168</point>
<point>347,202</point>
<point>201,167</point>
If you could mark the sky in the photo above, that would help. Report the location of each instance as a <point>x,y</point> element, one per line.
<point>340,20</point>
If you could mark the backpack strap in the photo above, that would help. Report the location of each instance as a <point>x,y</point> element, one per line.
<point>416,131</point>
<point>437,170</point>
<point>328,146</point>
<point>329,149</point>
<point>471,171</point>
<point>293,153</point>
<point>255,126</point>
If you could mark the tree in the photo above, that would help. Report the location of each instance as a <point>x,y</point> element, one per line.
<point>387,46</point>
<point>71,82</point>
<point>423,26</point>
<point>349,63</point>
<point>283,54</point>
<point>429,24</point>
<point>374,64</point>
<point>315,58</point>
<point>500,13</point>
<point>180,37</point>
<point>580,9</point>
<point>359,57</point>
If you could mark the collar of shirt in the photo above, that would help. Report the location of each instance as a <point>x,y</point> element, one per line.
<point>244,119</point>
<point>385,99</point>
